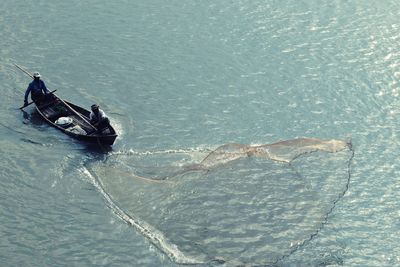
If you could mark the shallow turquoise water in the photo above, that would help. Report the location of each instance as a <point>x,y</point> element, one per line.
<point>190,76</point>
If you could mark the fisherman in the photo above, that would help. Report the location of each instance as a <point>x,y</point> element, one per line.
<point>98,118</point>
<point>37,89</point>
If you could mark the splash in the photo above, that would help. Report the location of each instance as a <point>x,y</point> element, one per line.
<point>238,204</point>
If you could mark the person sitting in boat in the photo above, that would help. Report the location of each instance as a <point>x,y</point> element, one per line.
<point>98,118</point>
<point>37,88</point>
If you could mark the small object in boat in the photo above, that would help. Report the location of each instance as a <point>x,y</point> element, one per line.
<point>64,121</point>
<point>76,130</point>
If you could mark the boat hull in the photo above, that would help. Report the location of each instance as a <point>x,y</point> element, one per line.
<point>80,128</point>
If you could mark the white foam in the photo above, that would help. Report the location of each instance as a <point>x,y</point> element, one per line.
<point>152,234</point>
<point>161,152</point>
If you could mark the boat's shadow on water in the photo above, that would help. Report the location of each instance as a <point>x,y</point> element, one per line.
<point>32,118</point>
<point>97,150</point>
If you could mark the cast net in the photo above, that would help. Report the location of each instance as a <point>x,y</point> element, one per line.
<point>239,204</point>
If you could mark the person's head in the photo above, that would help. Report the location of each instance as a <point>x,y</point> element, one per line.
<point>36,75</point>
<point>95,108</point>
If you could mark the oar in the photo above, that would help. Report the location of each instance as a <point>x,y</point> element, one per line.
<point>78,114</point>
<point>27,73</point>
<point>34,102</point>
<point>73,110</point>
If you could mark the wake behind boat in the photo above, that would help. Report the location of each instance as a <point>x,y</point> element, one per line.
<point>74,121</point>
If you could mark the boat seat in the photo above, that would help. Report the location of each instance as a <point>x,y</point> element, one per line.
<point>50,113</point>
<point>53,113</point>
<point>47,104</point>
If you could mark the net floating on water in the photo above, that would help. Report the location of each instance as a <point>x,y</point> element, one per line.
<point>239,204</point>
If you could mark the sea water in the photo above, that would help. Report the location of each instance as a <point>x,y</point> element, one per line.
<point>182,78</point>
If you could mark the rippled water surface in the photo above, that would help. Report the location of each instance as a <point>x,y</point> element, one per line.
<point>179,79</point>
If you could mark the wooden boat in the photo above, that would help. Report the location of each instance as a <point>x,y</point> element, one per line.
<point>74,121</point>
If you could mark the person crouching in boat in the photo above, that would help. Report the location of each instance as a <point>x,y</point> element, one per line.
<point>98,118</point>
<point>37,89</point>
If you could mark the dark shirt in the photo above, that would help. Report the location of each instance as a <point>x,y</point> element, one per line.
<point>36,87</point>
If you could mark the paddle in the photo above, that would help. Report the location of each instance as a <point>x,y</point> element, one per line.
<point>27,73</point>
<point>34,102</point>
<point>79,115</point>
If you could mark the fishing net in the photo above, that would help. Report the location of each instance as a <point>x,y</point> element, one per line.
<point>238,204</point>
